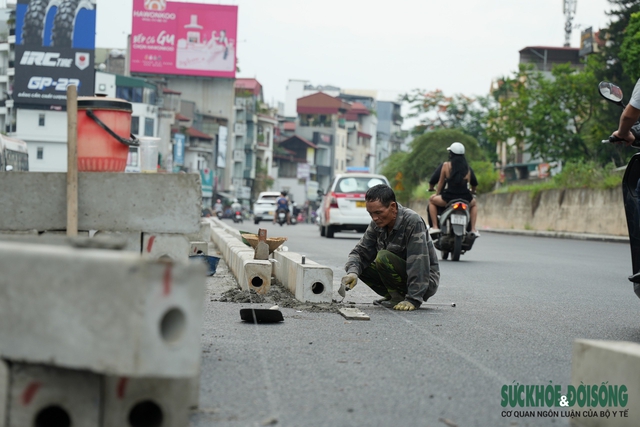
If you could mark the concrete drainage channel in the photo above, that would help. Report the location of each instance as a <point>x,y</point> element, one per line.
<point>308,281</point>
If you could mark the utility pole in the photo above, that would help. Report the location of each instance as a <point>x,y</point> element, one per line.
<point>569,10</point>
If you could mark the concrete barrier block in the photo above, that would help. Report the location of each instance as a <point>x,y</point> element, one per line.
<point>615,363</point>
<point>161,246</point>
<point>314,283</point>
<point>145,402</point>
<point>110,312</point>
<point>4,392</point>
<point>257,276</point>
<point>47,396</point>
<point>309,282</point>
<point>133,239</point>
<point>199,248</point>
<point>251,274</point>
<point>158,203</point>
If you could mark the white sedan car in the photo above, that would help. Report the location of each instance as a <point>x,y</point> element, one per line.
<point>343,207</point>
<point>265,207</point>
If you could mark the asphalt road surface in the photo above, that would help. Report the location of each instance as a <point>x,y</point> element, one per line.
<point>521,301</point>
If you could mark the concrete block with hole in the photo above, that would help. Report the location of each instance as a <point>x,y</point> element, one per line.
<point>251,274</point>
<point>616,363</point>
<point>308,282</point>
<point>145,402</point>
<point>166,246</point>
<point>111,312</point>
<point>48,396</point>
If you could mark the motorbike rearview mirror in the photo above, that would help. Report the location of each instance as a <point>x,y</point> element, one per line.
<point>611,92</point>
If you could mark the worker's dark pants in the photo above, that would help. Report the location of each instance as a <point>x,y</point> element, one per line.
<point>388,273</point>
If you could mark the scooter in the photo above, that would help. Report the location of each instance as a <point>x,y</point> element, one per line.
<point>455,235</point>
<point>237,216</point>
<point>281,217</point>
<point>630,196</point>
<point>219,214</point>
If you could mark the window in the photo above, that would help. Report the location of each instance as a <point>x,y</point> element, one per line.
<point>41,120</point>
<point>135,125</point>
<point>40,154</point>
<point>148,126</point>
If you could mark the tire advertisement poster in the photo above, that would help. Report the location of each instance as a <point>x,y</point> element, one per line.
<point>190,39</point>
<point>55,42</point>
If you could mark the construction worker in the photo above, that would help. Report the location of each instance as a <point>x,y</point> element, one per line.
<point>395,257</point>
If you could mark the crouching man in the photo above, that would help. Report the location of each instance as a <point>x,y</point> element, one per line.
<point>395,257</point>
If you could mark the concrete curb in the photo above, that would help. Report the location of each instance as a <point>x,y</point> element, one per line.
<point>251,274</point>
<point>559,235</point>
<point>308,281</point>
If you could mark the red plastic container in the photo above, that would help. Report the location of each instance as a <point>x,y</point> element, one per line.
<point>104,134</point>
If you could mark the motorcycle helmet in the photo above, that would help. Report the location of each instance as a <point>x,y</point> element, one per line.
<point>456,148</point>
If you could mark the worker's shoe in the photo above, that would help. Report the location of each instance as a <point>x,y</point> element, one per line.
<point>381,300</point>
<point>395,298</point>
<point>635,278</point>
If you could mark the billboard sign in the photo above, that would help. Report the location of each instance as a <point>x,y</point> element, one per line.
<point>586,42</point>
<point>55,45</point>
<point>178,149</point>
<point>190,39</point>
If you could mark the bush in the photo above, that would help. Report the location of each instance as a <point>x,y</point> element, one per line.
<point>574,175</point>
<point>587,175</point>
<point>486,174</point>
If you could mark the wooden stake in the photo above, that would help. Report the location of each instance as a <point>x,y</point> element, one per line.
<point>72,161</point>
<point>262,250</point>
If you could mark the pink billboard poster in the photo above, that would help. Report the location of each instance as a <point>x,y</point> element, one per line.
<point>184,38</point>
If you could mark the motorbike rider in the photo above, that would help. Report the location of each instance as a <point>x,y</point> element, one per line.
<point>282,204</point>
<point>455,177</point>
<point>217,207</point>
<point>395,257</point>
<point>236,206</point>
<point>630,115</point>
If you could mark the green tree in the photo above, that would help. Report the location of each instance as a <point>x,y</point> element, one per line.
<point>630,47</point>
<point>608,65</point>
<point>436,111</point>
<point>547,117</point>
<point>559,117</point>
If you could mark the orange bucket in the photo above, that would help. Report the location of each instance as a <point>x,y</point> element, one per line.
<point>104,134</point>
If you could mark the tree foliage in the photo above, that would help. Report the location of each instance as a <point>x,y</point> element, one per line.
<point>436,111</point>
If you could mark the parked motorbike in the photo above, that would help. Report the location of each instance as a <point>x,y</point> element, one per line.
<point>281,217</point>
<point>455,236</point>
<point>630,196</point>
<point>237,216</point>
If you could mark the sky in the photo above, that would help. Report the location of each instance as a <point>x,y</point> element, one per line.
<point>458,46</point>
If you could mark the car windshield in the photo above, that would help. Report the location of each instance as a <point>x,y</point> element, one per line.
<point>267,199</point>
<point>357,185</point>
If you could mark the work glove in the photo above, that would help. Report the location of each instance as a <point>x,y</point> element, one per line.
<point>349,281</point>
<point>404,306</point>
